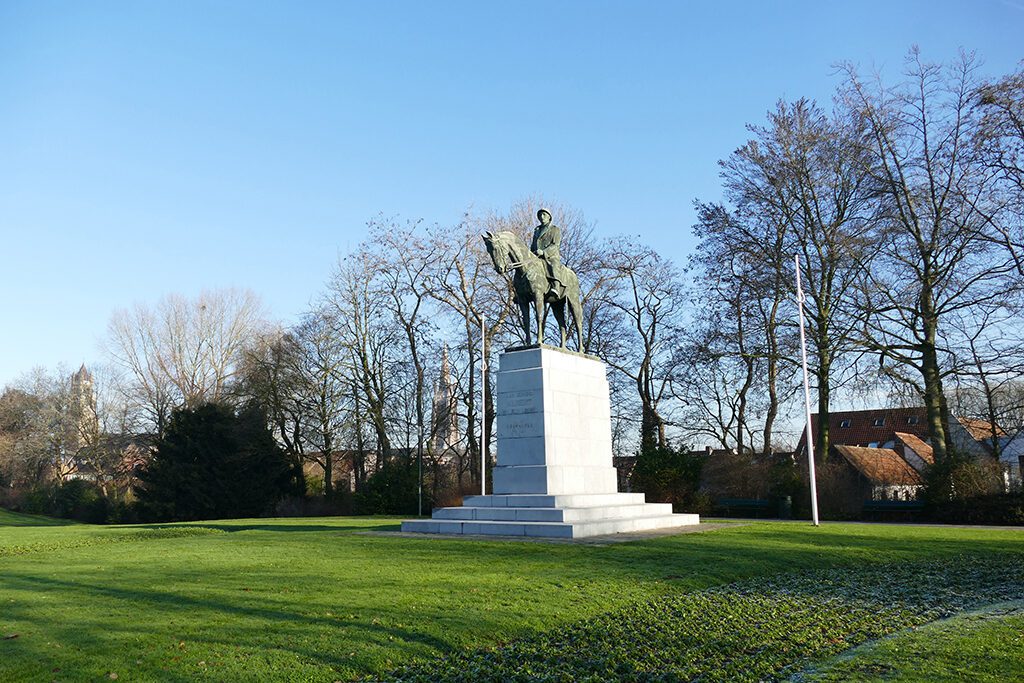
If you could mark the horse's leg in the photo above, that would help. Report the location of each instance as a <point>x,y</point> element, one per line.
<point>577,316</point>
<point>538,307</point>
<point>558,308</point>
<point>524,308</point>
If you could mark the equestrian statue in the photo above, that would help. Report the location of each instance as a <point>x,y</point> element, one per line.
<point>539,281</point>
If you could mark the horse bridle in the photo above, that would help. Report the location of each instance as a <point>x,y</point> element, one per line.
<point>515,264</point>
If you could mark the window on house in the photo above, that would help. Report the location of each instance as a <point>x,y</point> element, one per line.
<point>912,420</point>
<point>873,444</point>
<point>879,421</point>
<point>844,424</point>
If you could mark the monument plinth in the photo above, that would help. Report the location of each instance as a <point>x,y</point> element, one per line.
<point>554,475</point>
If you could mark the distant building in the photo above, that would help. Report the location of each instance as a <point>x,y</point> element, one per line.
<point>870,428</point>
<point>883,473</point>
<point>915,451</point>
<point>444,439</point>
<point>82,426</point>
<point>1011,457</point>
<point>342,473</point>
<point>905,431</point>
<point>973,436</point>
<point>444,419</point>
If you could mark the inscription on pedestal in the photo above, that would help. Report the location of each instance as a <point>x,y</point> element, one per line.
<point>520,424</point>
<point>519,402</point>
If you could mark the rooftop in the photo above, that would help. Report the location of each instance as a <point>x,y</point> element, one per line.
<point>881,466</point>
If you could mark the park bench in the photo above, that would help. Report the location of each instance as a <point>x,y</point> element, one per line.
<point>744,507</point>
<point>892,509</point>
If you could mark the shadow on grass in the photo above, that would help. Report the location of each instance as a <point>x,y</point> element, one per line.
<point>9,518</point>
<point>284,528</point>
<point>249,624</point>
<point>692,561</point>
<point>465,584</point>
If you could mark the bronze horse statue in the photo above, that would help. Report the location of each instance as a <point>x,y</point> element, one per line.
<point>534,289</point>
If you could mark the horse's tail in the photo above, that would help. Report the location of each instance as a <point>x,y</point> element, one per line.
<point>573,283</point>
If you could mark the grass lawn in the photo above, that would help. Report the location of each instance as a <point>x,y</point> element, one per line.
<point>316,600</point>
<point>982,645</point>
<point>8,518</point>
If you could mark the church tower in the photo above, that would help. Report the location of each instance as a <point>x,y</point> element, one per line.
<point>444,427</point>
<point>83,422</point>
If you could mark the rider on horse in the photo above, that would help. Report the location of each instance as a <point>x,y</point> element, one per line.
<point>546,239</point>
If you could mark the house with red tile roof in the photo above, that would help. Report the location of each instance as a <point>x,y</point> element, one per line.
<point>915,451</point>
<point>871,428</point>
<point>883,472</point>
<point>878,428</point>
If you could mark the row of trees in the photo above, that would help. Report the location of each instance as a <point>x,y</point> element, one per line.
<point>350,385</point>
<point>903,206</point>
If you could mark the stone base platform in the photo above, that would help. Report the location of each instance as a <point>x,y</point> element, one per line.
<point>554,476</point>
<point>552,516</point>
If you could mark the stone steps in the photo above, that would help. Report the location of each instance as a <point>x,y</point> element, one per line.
<point>554,476</point>
<point>554,514</point>
<point>549,529</point>
<point>574,500</point>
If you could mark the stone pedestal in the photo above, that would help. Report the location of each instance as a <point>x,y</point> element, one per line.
<point>554,475</point>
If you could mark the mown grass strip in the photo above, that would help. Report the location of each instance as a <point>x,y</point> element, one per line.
<point>9,518</point>
<point>133,536</point>
<point>755,630</point>
<point>980,646</point>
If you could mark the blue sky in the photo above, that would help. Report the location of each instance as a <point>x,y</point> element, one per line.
<point>156,147</point>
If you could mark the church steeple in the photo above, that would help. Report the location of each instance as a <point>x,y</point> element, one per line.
<point>83,425</point>
<point>444,420</point>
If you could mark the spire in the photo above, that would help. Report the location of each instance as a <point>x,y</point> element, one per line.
<point>445,374</point>
<point>444,422</point>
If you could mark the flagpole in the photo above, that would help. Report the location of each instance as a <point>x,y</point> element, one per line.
<point>483,406</point>
<point>807,398</point>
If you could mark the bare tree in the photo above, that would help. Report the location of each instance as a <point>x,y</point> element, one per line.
<point>405,259</point>
<point>373,342</point>
<point>27,458</point>
<point>46,428</point>
<point>805,179</point>
<point>743,273</point>
<point>1001,128</point>
<point>323,394</point>
<point>989,370</point>
<point>1000,104</point>
<point>648,295</point>
<point>466,287</point>
<point>939,252</point>
<point>183,352</point>
<point>707,376</point>
<point>271,377</point>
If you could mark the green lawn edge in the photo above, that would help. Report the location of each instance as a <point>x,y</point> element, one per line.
<point>11,518</point>
<point>983,645</point>
<point>315,599</point>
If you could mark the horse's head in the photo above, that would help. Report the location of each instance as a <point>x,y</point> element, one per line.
<point>500,249</point>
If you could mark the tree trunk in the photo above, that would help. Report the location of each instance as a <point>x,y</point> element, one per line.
<point>649,433</point>
<point>773,400</point>
<point>822,437</point>
<point>328,473</point>
<point>934,403</point>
